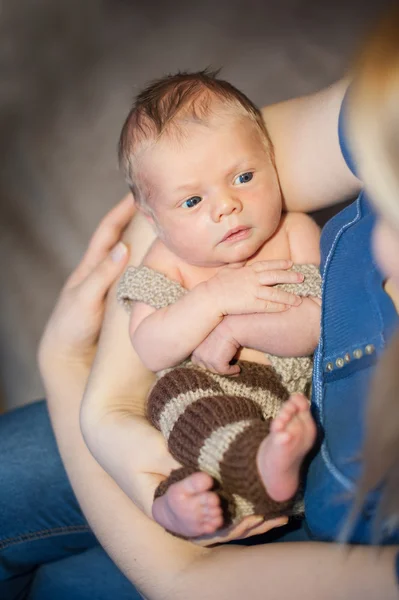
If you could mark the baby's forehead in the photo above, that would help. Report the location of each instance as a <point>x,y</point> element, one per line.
<point>187,135</point>
<point>182,131</point>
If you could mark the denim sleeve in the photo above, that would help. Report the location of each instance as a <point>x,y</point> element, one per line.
<point>343,135</point>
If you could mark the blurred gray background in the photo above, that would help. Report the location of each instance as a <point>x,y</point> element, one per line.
<point>69,70</point>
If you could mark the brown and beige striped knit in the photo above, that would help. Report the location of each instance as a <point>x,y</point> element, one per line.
<point>215,423</point>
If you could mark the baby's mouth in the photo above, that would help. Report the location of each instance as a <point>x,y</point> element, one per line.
<point>236,234</point>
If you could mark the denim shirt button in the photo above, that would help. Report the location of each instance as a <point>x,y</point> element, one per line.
<point>369,349</point>
<point>340,362</point>
<point>329,366</point>
<point>358,353</point>
<point>347,357</point>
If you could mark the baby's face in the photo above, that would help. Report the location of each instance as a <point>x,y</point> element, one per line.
<point>215,195</point>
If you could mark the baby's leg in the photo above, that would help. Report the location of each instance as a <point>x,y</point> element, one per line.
<point>280,456</point>
<point>207,429</point>
<point>188,507</point>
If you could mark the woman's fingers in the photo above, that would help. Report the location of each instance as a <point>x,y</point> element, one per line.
<point>265,526</point>
<point>248,527</point>
<point>278,297</point>
<point>106,236</point>
<point>98,282</point>
<point>234,532</point>
<point>276,276</point>
<point>272,265</point>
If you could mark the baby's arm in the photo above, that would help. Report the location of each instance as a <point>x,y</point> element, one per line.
<point>294,332</point>
<point>164,338</point>
<point>291,333</point>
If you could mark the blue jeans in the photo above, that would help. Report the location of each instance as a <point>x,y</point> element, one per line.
<point>47,550</point>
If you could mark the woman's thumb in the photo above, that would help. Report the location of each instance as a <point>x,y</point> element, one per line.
<point>118,253</point>
<point>107,271</point>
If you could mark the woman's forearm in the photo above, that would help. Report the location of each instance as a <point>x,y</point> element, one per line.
<point>312,571</point>
<point>111,514</point>
<point>304,131</point>
<point>113,414</point>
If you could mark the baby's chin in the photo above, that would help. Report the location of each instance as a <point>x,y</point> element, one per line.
<point>248,249</point>
<point>239,252</point>
<point>242,255</point>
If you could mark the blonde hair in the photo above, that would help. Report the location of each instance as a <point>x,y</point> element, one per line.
<point>374,134</point>
<point>374,116</point>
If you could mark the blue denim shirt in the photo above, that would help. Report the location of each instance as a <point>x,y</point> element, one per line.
<point>357,319</point>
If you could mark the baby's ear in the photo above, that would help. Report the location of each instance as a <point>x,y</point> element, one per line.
<point>145,211</point>
<point>149,216</point>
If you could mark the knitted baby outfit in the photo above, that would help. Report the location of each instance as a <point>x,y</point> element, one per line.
<point>215,423</point>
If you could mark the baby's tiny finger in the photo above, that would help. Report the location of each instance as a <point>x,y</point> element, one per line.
<point>279,296</point>
<point>230,370</point>
<point>269,306</point>
<point>271,265</point>
<point>279,276</point>
<point>223,368</point>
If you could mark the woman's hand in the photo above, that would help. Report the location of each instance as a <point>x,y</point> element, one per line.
<point>71,334</point>
<point>248,527</point>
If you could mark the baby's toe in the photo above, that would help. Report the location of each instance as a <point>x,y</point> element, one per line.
<point>213,500</point>
<point>285,415</point>
<point>300,402</point>
<point>197,483</point>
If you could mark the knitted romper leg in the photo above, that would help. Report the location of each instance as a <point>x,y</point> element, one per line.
<point>208,428</point>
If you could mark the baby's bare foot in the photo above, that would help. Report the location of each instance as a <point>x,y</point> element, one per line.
<point>188,508</point>
<point>280,456</point>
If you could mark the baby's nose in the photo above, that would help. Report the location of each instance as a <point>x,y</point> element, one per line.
<point>225,206</point>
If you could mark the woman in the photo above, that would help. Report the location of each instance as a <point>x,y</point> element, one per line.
<point>166,567</point>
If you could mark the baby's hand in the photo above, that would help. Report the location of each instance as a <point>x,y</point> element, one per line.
<point>189,508</point>
<point>217,350</point>
<point>249,289</point>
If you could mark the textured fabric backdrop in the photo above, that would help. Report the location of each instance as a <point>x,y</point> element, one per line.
<point>69,69</point>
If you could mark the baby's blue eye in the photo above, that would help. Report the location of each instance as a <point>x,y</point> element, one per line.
<point>243,178</point>
<point>191,202</point>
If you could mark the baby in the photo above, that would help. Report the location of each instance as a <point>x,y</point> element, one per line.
<point>199,161</point>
